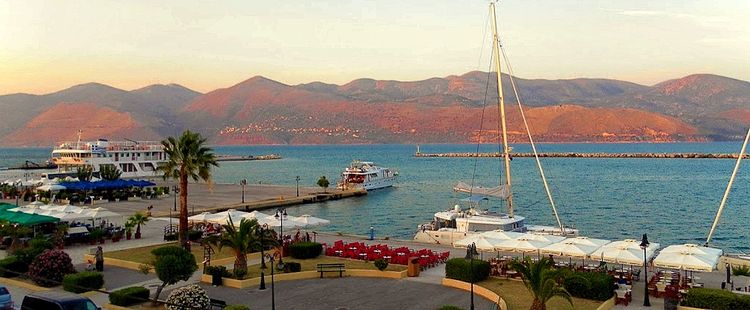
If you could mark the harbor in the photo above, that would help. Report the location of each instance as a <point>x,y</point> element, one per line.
<point>588,155</point>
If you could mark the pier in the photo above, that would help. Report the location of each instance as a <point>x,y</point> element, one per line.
<point>246,158</point>
<point>592,155</point>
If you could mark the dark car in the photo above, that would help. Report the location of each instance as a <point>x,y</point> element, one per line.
<point>57,300</point>
<point>6,302</point>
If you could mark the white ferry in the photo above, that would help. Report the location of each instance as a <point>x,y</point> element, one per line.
<point>135,159</point>
<point>366,175</point>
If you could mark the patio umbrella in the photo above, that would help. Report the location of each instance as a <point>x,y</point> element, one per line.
<point>257,215</point>
<point>51,188</point>
<point>626,251</point>
<point>569,248</point>
<point>483,243</point>
<point>203,217</point>
<point>35,204</point>
<point>99,213</point>
<point>501,234</point>
<point>521,244</point>
<point>310,221</point>
<point>69,216</point>
<point>688,257</point>
<point>224,217</point>
<point>543,237</point>
<point>62,208</point>
<point>288,222</point>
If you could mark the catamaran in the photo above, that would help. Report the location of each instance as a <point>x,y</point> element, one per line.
<point>459,222</point>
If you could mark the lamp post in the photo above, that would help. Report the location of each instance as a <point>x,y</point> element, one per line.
<point>470,250</point>
<point>280,215</point>
<point>644,245</point>
<point>273,294</point>
<point>176,191</point>
<point>243,182</point>
<point>297,179</point>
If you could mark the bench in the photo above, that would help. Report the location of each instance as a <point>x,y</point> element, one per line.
<point>217,303</point>
<point>340,268</point>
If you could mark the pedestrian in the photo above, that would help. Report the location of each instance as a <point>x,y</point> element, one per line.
<point>307,236</point>
<point>99,256</point>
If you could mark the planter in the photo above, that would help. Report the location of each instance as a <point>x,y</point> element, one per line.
<point>138,235</point>
<point>128,236</point>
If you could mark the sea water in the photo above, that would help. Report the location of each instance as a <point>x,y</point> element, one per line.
<point>673,200</point>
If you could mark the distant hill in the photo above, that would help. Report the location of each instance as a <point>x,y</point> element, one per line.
<point>263,111</point>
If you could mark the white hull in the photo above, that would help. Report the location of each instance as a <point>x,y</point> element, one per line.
<point>366,175</point>
<point>376,184</point>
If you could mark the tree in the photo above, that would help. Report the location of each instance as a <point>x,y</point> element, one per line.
<point>188,157</point>
<point>323,182</point>
<point>137,220</point>
<point>84,173</point>
<point>172,264</point>
<point>109,172</point>
<point>541,281</point>
<point>241,240</point>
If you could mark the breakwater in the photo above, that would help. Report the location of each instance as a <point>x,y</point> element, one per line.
<point>246,158</point>
<point>593,155</point>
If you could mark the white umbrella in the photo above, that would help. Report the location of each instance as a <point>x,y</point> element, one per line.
<point>589,241</point>
<point>482,242</point>
<point>626,251</point>
<point>63,208</point>
<point>569,248</point>
<point>309,220</point>
<point>543,237</point>
<point>289,222</point>
<point>35,204</point>
<point>203,217</point>
<point>51,188</point>
<point>688,257</point>
<point>521,244</point>
<point>224,217</point>
<point>99,213</point>
<point>257,214</point>
<point>501,234</point>
<point>69,216</point>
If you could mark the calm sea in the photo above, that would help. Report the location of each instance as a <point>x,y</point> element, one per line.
<point>673,200</point>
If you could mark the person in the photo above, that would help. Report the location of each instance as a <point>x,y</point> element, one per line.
<point>296,236</point>
<point>622,281</point>
<point>148,210</point>
<point>307,236</point>
<point>99,256</point>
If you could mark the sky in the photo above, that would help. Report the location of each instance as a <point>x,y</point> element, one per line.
<point>47,46</point>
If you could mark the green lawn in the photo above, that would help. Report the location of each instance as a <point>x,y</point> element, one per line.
<point>518,297</point>
<point>311,265</point>
<point>143,254</point>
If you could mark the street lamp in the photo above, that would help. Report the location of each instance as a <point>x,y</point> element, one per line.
<point>644,245</point>
<point>280,215</point>
<point>273,294</point>
<point>243,182</point>
<point>297,179</point>
<point>471,250</point>
<point>176,191</point>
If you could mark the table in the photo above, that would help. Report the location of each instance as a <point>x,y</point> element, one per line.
<point>363,255</point>
<point>339,252</point>
<point>376,251</point>
<point>511,273</point>
<point>401,254</point>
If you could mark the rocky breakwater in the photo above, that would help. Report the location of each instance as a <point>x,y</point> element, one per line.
<point>592,155</point>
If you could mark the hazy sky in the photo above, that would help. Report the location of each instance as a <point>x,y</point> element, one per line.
<point>49,45</point>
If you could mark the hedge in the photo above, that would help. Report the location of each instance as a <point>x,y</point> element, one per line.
<point>83,281</point>
<point>12,266</point>
<point>715,299</point>
<point>236,307</point>
<point>461,269</point>
<point>589,285</point>
<point>304,250</point>
<point>129,296</point>
<point>220,270</point>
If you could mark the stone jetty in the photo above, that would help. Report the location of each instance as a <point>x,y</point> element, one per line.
<point>593,155</point>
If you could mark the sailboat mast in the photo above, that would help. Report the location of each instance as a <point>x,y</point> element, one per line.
<point>501,104</point>
<point>729,187</point>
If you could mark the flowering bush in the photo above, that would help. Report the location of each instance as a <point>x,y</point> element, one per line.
<point>49,268</point>
<point>188,297</point>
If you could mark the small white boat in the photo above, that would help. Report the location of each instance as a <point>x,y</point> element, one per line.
<point>366,175</point>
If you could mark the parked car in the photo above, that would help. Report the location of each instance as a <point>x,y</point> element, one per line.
<point>57,300</point>
<point>6,302</point>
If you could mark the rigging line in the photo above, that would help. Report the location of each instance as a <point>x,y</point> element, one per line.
<point>481,128</point>
<point>484,39</point>
<point>531,140</point>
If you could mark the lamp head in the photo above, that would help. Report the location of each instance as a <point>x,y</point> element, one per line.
<point>644,242</point>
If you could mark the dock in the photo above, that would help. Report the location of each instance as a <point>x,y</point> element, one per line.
<point>592,155</point>
<point>247,158</point>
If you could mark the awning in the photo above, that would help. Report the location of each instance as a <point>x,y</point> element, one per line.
<point>104,185</point>
<point>26,218</point>
<point>499,191</point>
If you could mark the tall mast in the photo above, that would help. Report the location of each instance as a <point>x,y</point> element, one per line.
<point>729,187</point>
<point>501,104</point>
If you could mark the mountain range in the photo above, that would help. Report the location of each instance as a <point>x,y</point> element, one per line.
<point>453,109</point>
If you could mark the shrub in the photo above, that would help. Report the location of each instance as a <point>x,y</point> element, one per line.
<point>188,297</point>
<point>83,281</point>
<point>589,285</point>
<point>12,266</point>
<point>237,307</point>
<point>239,273</point>
<point>449,307</point>
<point>715,299</point>
<point>305,250</point>
<point>49,268</point>
<point>36,247</point>
<point>195,235</point>
<point>741,270</point>
<point>293,267</point>
<point>381,264</point>
<point>221,270</point>
<point>172,264</point>
<point>461,269</point>
<point>129,296</point>
<point>167,250</point>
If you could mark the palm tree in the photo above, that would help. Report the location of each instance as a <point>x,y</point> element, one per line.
<point>109,172</point>
<point>138,219</point>
<point>241,239</point>
<point>541,281</point>
<point>188,157</point>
